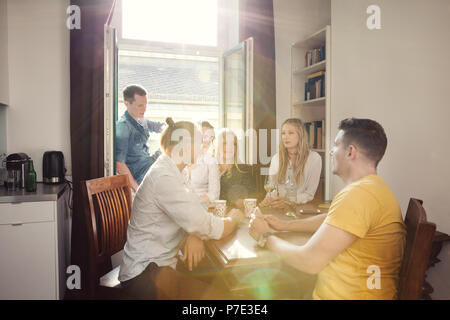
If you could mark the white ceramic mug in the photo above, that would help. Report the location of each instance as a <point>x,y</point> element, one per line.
<point>249,205</point>
<point>220,207</point>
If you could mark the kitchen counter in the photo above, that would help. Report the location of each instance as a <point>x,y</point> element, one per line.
<point>44,192</point>
<point>35,240</point>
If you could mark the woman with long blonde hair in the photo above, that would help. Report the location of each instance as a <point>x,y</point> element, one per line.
<point>237,181</point>
<point>295,169</point>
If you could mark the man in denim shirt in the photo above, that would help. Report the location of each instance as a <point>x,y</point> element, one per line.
<point>132,132</point>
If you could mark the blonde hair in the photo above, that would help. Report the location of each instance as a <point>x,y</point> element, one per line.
<point>221,139</point>
<point>303,150</point>
<point>167,143</point>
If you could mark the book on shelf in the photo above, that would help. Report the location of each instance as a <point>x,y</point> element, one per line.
<point>318,137</point>
<point>316,131</point>
<point>314,56</point>
<point>308,127</point>
<point>315,85</point>
<point>312,134</point>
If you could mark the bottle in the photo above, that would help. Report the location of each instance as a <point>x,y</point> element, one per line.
<point>291,187</point>
<point>30,178</point>
<point>22,176</point>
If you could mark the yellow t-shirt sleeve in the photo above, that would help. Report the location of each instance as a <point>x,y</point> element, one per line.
<point>352,211</point>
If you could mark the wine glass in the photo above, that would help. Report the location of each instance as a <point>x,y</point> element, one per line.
<point>270,185</point>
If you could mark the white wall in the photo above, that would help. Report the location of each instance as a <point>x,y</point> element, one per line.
<point>39,79</point>
<point>3,53</point>
<point>399,76</point>
<point>4,88</point>
<point>294,21</point>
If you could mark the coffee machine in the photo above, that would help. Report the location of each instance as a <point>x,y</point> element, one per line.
<point>17,167</point>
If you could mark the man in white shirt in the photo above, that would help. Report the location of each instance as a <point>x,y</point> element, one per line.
<point>165,213</point>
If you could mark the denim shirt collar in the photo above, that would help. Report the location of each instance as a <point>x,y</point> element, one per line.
<point>135,124</point>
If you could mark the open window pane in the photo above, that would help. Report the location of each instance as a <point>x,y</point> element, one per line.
<point>234,88</point>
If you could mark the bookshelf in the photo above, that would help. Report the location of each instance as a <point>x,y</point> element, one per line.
<point>311,69</point>
<point>312,104</point>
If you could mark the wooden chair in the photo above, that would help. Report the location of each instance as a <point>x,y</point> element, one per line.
<point>107,211</point>
<point>419,238</point>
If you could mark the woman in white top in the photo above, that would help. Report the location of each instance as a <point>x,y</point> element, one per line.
<point>204,176</point>
<point>167,216</point>
<point>295,169</point>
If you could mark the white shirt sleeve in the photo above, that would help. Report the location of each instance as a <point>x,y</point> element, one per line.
<point>185,209</point>
<point>274,163</point>
<point>213,181</point>
<point>311,175</point>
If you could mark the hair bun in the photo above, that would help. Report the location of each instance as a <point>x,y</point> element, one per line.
<point>170,121</point>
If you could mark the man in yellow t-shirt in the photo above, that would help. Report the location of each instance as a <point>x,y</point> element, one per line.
<point>357,248</point>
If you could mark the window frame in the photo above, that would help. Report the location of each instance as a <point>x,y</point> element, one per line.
<point>175,48</point>
<point>182,49</point>
<point>228,33</point>
<point>152,54</point>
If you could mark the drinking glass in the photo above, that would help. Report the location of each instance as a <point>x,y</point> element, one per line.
<point>11,182</point>
<point>220,207</point>
<point>270,185</point>
<point>249,205</point>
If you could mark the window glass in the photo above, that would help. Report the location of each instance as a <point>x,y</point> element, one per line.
<point>180,86</point>
<point>175,21</point>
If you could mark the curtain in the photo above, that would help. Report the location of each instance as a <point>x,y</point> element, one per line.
<point>256,20</point>
<point>86,116</point>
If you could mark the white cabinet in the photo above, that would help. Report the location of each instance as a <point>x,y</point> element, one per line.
<point>33,245</point>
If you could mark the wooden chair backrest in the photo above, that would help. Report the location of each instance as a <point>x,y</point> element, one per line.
<point>419,239</point>
<point>107,211</point>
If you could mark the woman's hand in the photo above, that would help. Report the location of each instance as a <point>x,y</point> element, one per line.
<point>276,223</point>
<point>205,198</point>
<point>266,202</point>
<point>194,251</point>
<point>279,202</point>
<point>257,227</point>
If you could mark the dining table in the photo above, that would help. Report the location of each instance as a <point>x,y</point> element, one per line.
<point>252,272</point>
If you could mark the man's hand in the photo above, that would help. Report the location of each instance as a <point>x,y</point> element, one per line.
<point>258,226</point>
<point>231,222</point>
<point>134,185</point>
<point>194,251</point>
<point>121,168</point>
<point>277,223</point>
